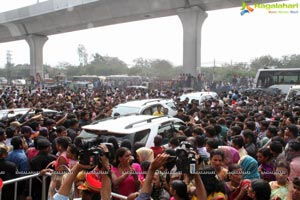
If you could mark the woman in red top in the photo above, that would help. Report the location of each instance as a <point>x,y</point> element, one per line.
<point>62,144</point>
<point>125,176</point>
<point>236,188</point>
<point>158,148</point>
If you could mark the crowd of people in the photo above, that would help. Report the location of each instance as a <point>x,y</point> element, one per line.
<point>245,148</point>
<point>202,82</point>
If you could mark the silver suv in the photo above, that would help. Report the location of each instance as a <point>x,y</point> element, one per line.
<point>142,128</point>
<point>145,107</point>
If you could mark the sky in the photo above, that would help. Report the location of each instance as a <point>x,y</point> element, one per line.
<point>227,37</point>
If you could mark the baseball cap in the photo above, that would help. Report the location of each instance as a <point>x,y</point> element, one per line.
<point>42,143</point>
<point>26,129</point>
<point>92,183</point>
<point>15,124</point>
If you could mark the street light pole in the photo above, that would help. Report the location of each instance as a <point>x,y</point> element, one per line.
<point>8,65</point>
<point>213,76</point>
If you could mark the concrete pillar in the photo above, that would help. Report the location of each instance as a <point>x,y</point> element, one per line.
<point>36,44</point>
<point>192,19</point>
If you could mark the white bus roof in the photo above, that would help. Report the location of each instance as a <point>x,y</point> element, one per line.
<point>280,69</point>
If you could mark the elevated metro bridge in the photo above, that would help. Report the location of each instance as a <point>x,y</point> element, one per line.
<point>34,23</point>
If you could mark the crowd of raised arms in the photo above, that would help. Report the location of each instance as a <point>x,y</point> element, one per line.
<point>245,147</point>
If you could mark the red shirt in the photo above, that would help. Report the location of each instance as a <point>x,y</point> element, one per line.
<point>32,152</point>
<point>157,150</point>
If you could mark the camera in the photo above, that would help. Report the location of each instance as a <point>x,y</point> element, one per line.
<point>90,152</point>
<point>186,161</point>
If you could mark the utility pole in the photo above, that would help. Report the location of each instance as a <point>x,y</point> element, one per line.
<point>213,76</point>
<point>8,66</point>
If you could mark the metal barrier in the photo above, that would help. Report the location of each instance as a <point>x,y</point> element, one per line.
<point>118,196</point>
<point>44,195</point>
<point>30,177</point>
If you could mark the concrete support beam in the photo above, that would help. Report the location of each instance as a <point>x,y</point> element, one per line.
<point>36,44</point>
<point>192,20</point>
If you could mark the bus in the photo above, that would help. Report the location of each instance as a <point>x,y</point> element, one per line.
<point>89,78</point>
<point>111,80</point>
<point>93,79</point>
<point>280,78</point>
<point>124,78</point>
<point>122,81</point>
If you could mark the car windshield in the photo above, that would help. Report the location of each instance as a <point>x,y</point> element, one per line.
<point>124,110</point>
<point>140,136</point>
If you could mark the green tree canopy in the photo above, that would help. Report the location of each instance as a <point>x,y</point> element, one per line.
<point>292,61</point>
<point>265,61</point>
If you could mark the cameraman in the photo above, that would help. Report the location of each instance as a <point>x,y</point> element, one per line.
<point>105,191</point>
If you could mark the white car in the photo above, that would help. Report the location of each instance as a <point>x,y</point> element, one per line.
<point>293,92</point>
<point>200,96</point>
<point>135,128</point>
<point>3,80</point>
<point>9,113</point>
<point>145,107</point>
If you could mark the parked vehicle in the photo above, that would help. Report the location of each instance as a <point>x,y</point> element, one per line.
<point>144,107</point>
<point>293,93</point>
<point>135,128</point>
<point>200,96</point>
<point>3,81</point>
<point>9,113</point>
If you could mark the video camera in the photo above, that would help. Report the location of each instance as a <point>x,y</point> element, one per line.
<point>90,152</point>
<point>185,158</point>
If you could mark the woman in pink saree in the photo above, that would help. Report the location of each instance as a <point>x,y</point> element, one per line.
<point>126,176</point>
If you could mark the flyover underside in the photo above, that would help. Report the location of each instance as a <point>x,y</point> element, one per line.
<point>88,16</point>
<point>59,16</point>
<point>34,23</point>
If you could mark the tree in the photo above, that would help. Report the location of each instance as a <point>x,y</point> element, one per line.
<point>264,61</point>
<point>135,71</point>
<point>63,65</point>
<point>114,65</point>
<point>292,61</point>
<point>162,69</point>
<point>72,71</point>
<point>141,62</point>
<point>105,65</point>
<point>82,54</point>
<point>97,59</point>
